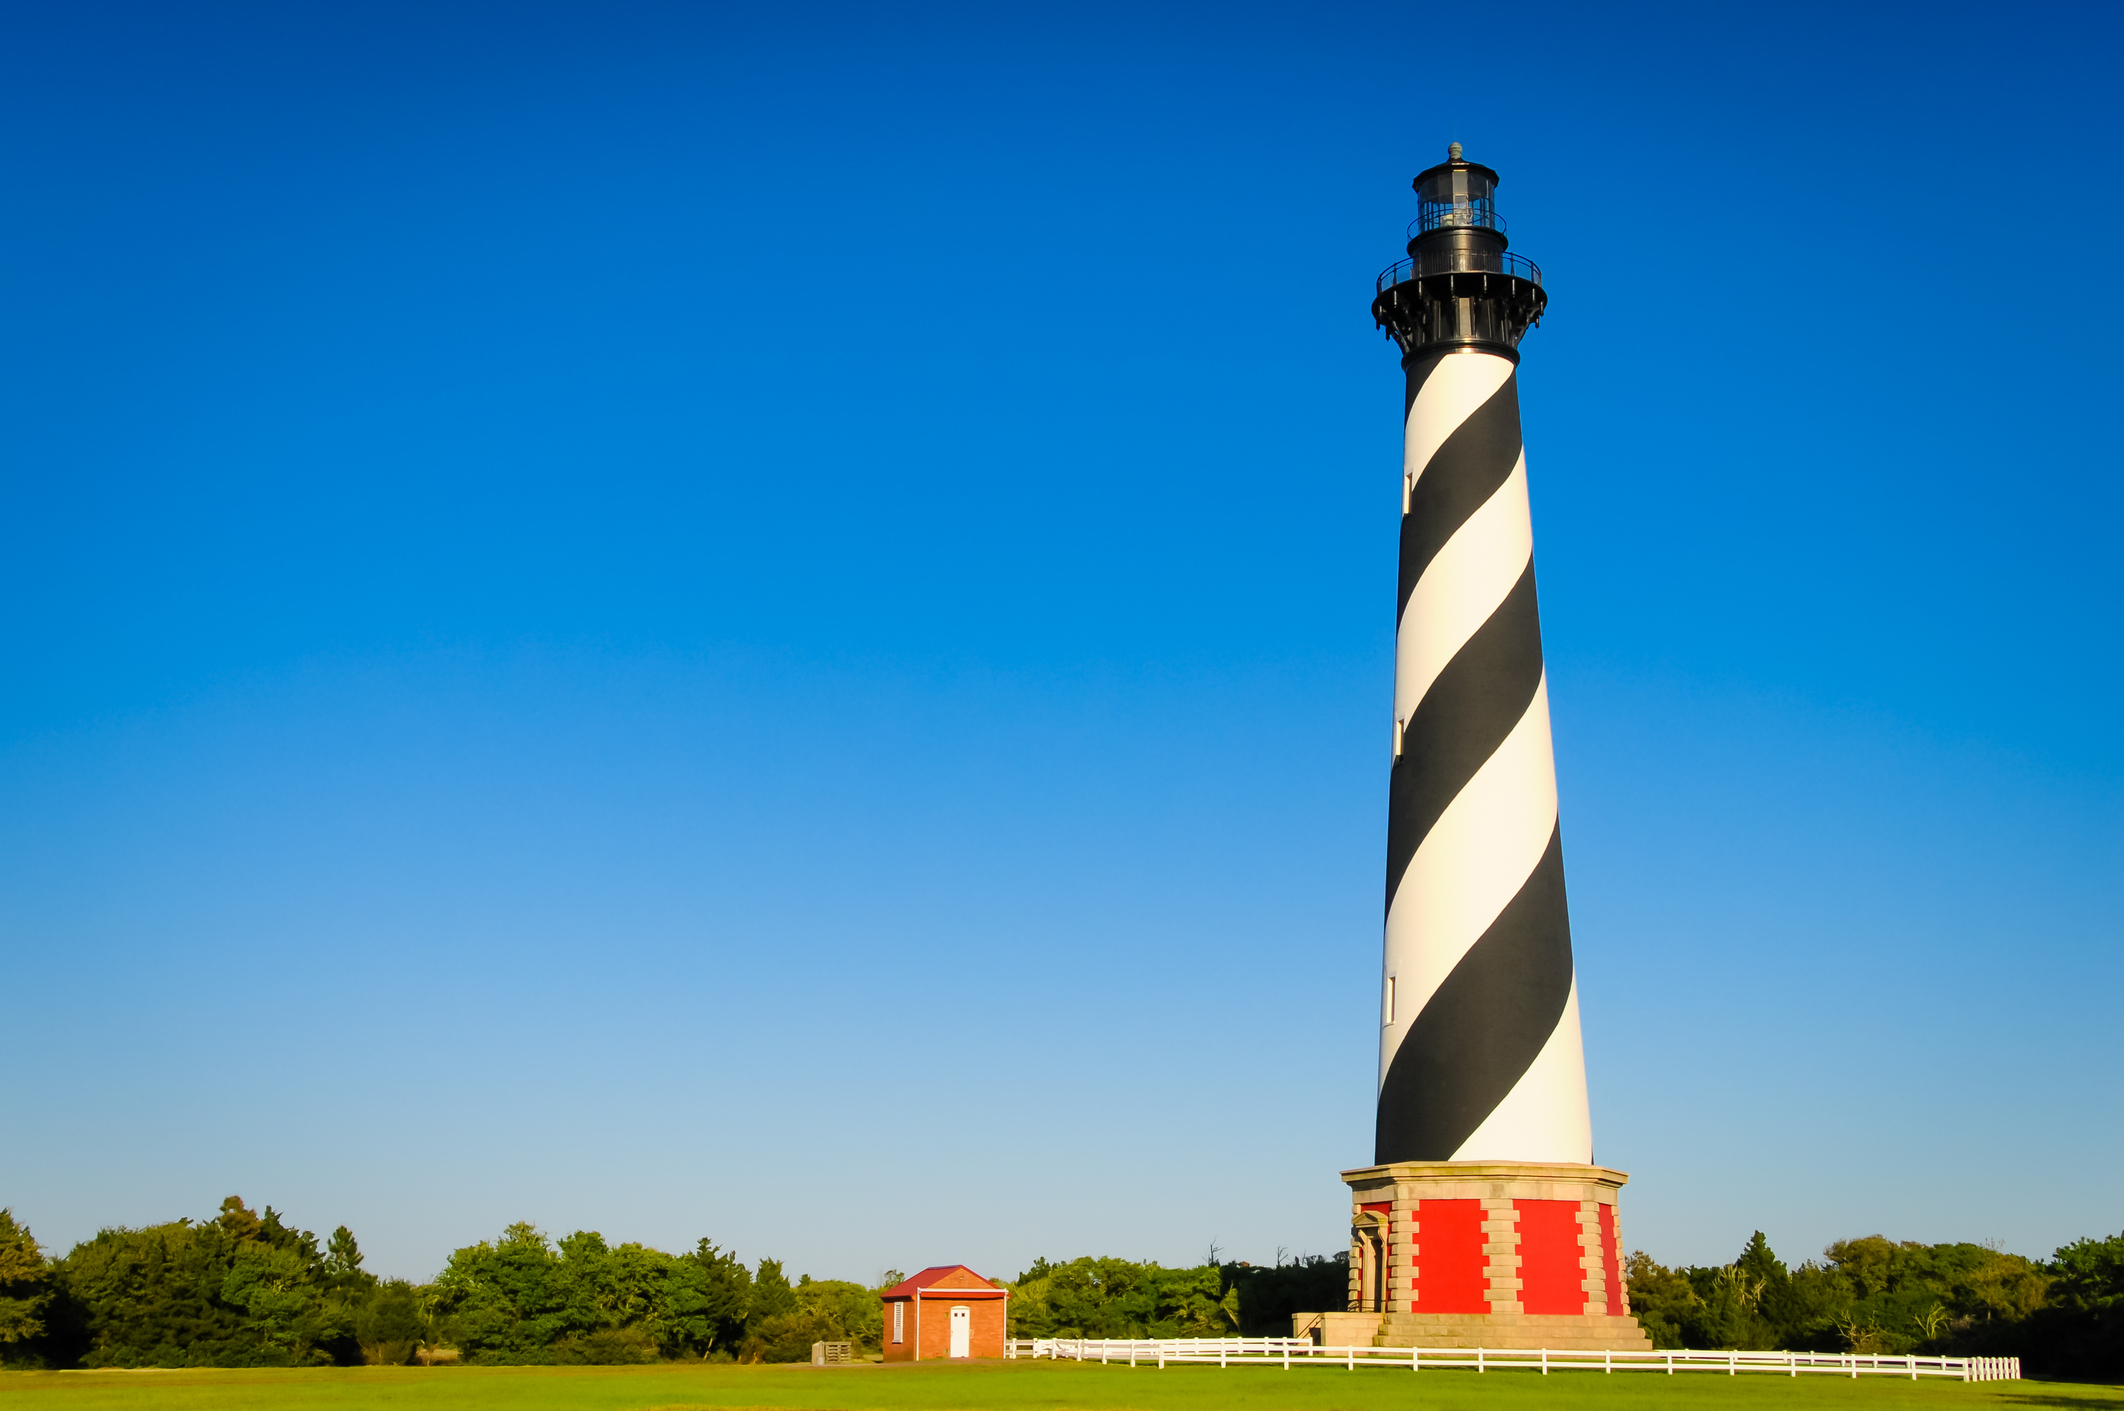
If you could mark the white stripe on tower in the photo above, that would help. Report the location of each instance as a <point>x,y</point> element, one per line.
<point>1480,1056</point>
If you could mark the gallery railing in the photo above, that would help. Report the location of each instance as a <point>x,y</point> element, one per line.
<point>1460,262</point>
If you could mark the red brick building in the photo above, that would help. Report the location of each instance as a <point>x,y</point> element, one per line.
<point>945,1311</point>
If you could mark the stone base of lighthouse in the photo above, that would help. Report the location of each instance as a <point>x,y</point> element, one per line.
<point>1482,1254</point>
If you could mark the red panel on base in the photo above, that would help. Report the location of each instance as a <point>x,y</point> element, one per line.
<point>1551,1279</point>
<point>1450,1268</point>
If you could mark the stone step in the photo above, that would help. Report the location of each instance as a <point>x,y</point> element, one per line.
<point>1516,1330</point>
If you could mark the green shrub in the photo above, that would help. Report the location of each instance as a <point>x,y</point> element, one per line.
<point>388,1325</point>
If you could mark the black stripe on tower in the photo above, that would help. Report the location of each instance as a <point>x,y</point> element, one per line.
<point>1484,1027</point>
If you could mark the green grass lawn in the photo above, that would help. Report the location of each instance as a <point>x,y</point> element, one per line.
<point>1000,1385</point>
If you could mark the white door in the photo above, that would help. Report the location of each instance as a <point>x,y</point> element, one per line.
<point>962,1331</point>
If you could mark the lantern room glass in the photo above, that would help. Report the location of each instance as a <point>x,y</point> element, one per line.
<point>1457,195</point>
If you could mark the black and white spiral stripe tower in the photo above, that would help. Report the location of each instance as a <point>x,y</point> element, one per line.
<point>1479,1056</point>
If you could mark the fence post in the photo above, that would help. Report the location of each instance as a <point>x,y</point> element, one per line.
<point>1478,1360</point>
<point>1732,1363</point>
<point>1545,1362</point>
<point>1415,1359</point>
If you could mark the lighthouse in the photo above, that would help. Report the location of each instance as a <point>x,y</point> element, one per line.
<point>1482,1220</point>
<point>1479,1052</point>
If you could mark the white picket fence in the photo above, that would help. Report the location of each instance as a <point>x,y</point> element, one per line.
<point>1239,1352</point>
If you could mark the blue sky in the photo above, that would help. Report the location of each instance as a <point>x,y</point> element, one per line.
<point>685,621</point>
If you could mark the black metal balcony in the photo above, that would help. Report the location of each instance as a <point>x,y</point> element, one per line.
<point>1459,261</point>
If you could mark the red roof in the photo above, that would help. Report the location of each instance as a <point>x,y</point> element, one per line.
<point>942,1278</point>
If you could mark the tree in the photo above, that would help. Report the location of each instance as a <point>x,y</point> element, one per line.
<point>771,1291</point>
<point>1663,1300</point>
<point>241,1290</point>
<point>272,1285</point>
<point>708,1296</point>
<point>1718,1307</point>
<point>25,1287</point>
<point>238,1220</point>
<point>2081,1332</point>
<point>773,1329</point>
<point>524,1299</point>
<point>389,1326</point>
<point>1086,1297</point>
<point>1871,1295</point>
<point>1268,1295</point>
<point>341,1264</point>
<point>500,1302</point>
<point>843,1311</point>
<point>1101,1298</point>
<point>2090,1273</point>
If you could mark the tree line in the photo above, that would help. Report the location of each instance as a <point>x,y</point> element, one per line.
<point>1119,1298</point>
<point>246,1289</point>
<point>2063,1317</point>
